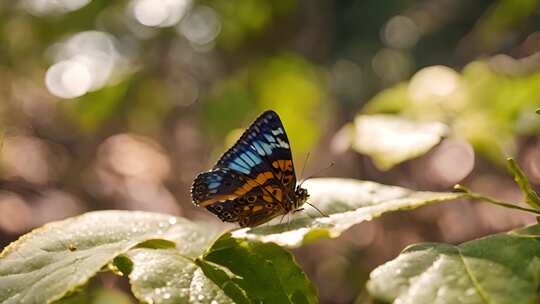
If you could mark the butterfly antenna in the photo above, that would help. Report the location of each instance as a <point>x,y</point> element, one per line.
<point>319,210</point>
<point>304,166</point>
<point>318,172</point>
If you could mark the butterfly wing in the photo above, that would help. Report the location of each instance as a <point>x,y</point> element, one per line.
<point>236,198</point>
<point>216,186</point>
<point>254,180</point>
<point>264,147</point>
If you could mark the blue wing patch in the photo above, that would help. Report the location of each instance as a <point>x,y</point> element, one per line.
<point>263,142</point>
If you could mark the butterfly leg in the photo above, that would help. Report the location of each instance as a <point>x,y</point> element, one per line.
<point>302,209</point>
<point>282,217</point>
<point>319,210</point>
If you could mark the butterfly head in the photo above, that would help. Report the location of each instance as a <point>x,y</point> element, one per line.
<point>301,196</point>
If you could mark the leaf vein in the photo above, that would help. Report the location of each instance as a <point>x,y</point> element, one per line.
<point>476,284</point>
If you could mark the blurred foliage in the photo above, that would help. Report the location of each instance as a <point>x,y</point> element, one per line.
<point>246,19</point>
<point>485,107</point>
<point>286,83</point>
<point>96,295</point>
<point>170,84</point>
<point>390,139</point>
<point>93,109</point>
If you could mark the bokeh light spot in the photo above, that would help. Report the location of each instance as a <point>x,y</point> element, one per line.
<point>85,62</point>
<point>391,65</point>
<point>451,162</point>
<point>201,26</point>
<point>159,13</point>
<point>15,213</point>
<point>50,7</point>
<point>68,79</point>
<point>150,12</point>
<point>400,32</point>
<point>433,82</point>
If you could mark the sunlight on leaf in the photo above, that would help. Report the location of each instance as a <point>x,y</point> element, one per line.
<point>346,202</point>
<point>166,276</point>
<point>390,140</point>
<point>231,271</point>
<point>479,104</point>
<point>500,268</point>
<point>51,261</point>
<point>167,260</point>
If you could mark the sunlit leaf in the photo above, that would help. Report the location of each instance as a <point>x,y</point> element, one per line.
<point>230,271</point>
<point>479,105</point>
<point>390,101</point>
<point>496,269</point>
<point>167,260</point>
<point>390,140</point>
<point>346,202</point>
<point>52,261</point>
<point>167,276</point>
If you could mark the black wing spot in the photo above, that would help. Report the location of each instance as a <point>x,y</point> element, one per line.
<point>286,180</point>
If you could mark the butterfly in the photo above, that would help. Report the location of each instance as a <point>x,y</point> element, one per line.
<point>254,181</point>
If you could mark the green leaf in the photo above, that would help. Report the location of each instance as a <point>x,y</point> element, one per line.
<point>531,197</point>
<point>56,259</point>
<point>167,260</point>
<point>279,278</point>
<point>346,202</point>
<point>167,276</point>
<point>390,140</point>
<point>231,271</point>
<point>502,268</point>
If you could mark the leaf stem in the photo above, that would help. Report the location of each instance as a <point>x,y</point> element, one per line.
<point>492,200</point>
<point>532,197</point>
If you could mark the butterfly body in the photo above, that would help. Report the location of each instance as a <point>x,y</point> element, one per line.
<point>254,181</point>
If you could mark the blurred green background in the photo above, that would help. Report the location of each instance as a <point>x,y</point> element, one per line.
<point>119,104</point>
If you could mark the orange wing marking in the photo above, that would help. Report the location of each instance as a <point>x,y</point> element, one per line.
<point>219,198</point>
<point>283,164</point>
<point>252,183</point>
